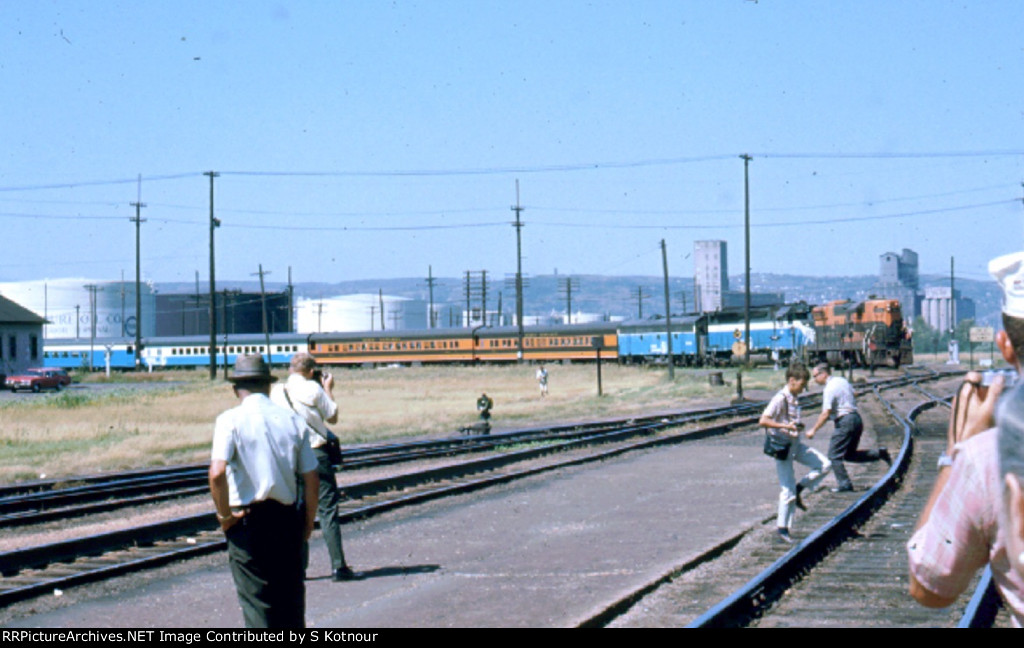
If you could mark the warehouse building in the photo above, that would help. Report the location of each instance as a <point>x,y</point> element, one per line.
<point>21,335</point>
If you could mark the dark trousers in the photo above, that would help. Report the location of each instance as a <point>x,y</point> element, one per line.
<point>843,447</point>
<point>327,509</point>
<point>265,554</point>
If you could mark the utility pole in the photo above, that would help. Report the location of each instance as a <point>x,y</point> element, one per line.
<point>668,311</point>
<point>380,293</point>
<point>567,286</point>
<point>263,302</point>
<point>952,302</point>
<point>640,297</point>
<point>92,288</point>
<point>291,303</point>
<point>214,224</point>
<point>431,320</point>
<point>519,273</point>
<point>475,291</point>
<point>746,235</point>
<point>138,204</point>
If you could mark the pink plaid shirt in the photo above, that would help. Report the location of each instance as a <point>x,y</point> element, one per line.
<point>962,533</point>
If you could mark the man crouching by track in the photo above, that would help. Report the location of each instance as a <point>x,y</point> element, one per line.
<point>959,529</point>
<point>782,426</point>
<point>260,456</point>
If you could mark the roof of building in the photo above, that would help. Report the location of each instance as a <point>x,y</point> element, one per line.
<point>12,313</point>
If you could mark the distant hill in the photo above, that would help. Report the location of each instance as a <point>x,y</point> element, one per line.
<point>614,296</point>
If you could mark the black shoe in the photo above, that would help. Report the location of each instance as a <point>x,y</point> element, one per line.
<point>841,489</point>
<point>799,502</point>
<point>883,454</point>
<point>345,574</point>
<point>784,535</point>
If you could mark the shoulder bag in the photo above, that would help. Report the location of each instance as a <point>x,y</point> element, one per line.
<point>333,445</point>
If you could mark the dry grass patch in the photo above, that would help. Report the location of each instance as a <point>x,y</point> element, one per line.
<point>132,425</point>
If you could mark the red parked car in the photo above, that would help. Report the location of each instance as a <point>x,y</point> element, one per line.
<point>38,379</point>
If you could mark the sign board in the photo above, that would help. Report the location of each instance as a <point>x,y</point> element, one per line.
<point>982,334</point>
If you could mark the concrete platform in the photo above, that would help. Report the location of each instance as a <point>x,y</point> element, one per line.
<point>548,551</point>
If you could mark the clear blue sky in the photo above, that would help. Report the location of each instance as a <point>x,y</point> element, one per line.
<point>363,139</point>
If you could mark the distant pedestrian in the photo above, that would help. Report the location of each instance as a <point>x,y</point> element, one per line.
<point>260,458</point>
<point>542,380</point>
<point>839,402</point>
<point>782,425</point>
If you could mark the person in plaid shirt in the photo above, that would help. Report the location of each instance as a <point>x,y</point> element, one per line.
<point>959,531</point>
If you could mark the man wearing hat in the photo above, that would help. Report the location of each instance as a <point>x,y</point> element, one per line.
<point>959,530</point>
<point>260,456</point>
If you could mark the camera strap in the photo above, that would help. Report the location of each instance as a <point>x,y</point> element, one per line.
<point>292,405</point>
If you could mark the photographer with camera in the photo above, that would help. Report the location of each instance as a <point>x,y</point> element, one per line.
<point>310,394</point>
<point>782,427</point>
<point>959,529</point>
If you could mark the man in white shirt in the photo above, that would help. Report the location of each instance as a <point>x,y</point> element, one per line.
<point>259,461</point>
<point>839,402</point>
<point>312,398</point>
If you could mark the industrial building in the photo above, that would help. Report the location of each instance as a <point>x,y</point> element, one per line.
<point>942,305</point>
<point>710,275</point>
<point>237,312</point>
<point>711,281</point>
<point>21,333</point>
<point>898,279</point>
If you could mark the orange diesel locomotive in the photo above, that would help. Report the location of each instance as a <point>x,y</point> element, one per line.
<point>869,333</point>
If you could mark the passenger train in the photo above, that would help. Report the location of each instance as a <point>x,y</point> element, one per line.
<point>868,333</point>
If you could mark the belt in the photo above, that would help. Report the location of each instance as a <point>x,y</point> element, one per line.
<point>840,418</point>
<point>255,507</point>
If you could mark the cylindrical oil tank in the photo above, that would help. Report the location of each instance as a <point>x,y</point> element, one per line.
<point>70,304</point>
<point>360,312</point>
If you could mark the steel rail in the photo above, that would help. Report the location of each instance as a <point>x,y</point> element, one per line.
<point>757,595</point>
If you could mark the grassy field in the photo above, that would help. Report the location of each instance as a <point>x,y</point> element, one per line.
<point>167,418</point>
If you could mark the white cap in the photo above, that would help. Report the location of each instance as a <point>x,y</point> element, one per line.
<point>1008,270</point>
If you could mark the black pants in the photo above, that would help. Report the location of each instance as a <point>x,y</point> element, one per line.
<point>265,554</point>
<point>843,447</point>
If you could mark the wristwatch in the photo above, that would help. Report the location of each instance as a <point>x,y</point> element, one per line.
<point>944,460</point>
<point>224,518</point>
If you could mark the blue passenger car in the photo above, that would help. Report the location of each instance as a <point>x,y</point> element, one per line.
<point>647,341</point>
<point>170,352</point>
<point>194,351</point>
<point>76,354</point>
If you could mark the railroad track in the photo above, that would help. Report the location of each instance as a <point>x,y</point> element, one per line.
<point>32,571</point>
<point>44,500</point>
<point>851,571</point>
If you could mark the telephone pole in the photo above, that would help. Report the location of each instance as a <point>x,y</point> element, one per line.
<point>746,234</point>
<point>431,320</point>
<point>92,288</point>
<point>568,284</point>
<point>214,224</point>
<point>668,311</point>
<point>263,302</point>
<point>519,273</point>
<point>138,220</point>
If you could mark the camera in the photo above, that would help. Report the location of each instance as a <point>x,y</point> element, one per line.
<point>319,375</point>
<point>1009,377</point>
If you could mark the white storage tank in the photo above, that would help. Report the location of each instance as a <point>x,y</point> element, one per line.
<point>360,312</point>
<point>68,305</point>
